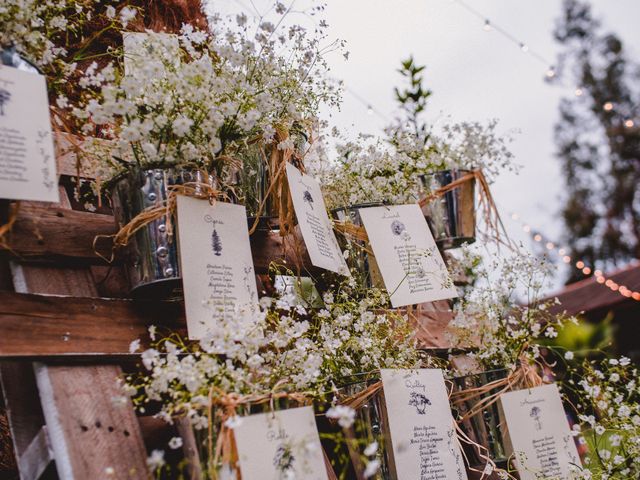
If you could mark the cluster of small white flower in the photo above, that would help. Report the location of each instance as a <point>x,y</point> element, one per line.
<point>392,170</point>
<point>490,318</point>
<point>286,346</point>
<point>607,393</point>
<point>187,103</point>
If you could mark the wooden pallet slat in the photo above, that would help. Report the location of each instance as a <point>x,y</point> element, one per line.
<point>53,234</point>
<point>45,325</point>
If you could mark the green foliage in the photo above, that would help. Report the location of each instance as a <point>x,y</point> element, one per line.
<point>413,98</point>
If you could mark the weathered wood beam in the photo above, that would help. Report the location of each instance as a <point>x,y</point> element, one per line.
<point>47,325</point>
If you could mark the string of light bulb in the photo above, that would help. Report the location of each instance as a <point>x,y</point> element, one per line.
<point>579,264</point>
<point>489,26</point>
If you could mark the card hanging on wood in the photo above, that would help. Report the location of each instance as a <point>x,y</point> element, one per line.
<point>27,156</point>
<point>216,265</point>
<point>314,222</point>
<point>539,433</point>
<point>279,445</point>
<point>411,265</point>
<point>421,427</point>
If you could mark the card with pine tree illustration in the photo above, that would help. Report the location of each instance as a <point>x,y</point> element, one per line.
<point>216,264</point>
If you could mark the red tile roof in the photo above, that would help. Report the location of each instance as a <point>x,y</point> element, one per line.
<point>588,295</point>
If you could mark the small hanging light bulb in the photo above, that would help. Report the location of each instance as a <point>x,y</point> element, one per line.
<point>551,72</point>
<point>369,110</point>
<point>578,92</point>
<point>487,25</point>
<point>629,123</point>
<point>524,47</point>
<point>608,106</point>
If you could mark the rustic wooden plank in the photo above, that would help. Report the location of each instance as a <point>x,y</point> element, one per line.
<point>44,325</point>
<point>21,400</point>
<point>37,457</point>
<point>55,234</point>
<point>189,448</point>
<point>431,321</point>
<point>51,233</point>
<point>90,436</point>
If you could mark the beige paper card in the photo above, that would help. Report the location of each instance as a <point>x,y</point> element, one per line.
<point>539,431</point>
<point>423,437</point>
<point>27,158</point>
<point>314,222</point>
<point>411,265</point>
<point>280,445</point>
<point>217,267</point>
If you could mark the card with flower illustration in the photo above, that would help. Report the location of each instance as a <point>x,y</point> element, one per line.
<point>412,268</point>
<point>27,158</point>
<point>217,267</point>
<point>314,222</point>
<point>280,445</point>
<point>539,432</point>
<point>423,435</point>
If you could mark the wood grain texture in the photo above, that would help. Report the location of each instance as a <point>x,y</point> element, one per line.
<point>91,436</point>
<point>22,403</point>
<point>54,234</point>
<point>48,326</point>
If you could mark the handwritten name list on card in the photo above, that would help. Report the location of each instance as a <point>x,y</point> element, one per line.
<point>280,445</point>
<point>217,267</point>
<point>424,441</point>
<point>410,263</point>
<point>27,158</point>
<point>539,433</point>
<point>314,222</point>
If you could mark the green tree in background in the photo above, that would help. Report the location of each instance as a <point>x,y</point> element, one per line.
<point>598,141</point>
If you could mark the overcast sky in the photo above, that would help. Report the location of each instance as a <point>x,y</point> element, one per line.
<point>474,74</point>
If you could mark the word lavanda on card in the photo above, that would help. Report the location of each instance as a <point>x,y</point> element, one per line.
<point>314,222</point>
<point>539,433</point>
<point>27,158</point>
<point>410,263</point>
<point>280,445</point>
<point>217,267</point>
<point>423,437</point>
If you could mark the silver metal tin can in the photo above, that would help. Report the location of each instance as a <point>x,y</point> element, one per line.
<point>151,257</point>
<point>452,217</point>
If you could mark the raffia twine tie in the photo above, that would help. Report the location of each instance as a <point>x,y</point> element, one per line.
<point>223,449</point>
<point>493,221</point>
<point>167,209</point>
<point>524,376</point>
<point>278,190</point>
<point>5,229</point>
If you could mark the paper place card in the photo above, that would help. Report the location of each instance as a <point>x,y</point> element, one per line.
<point>280,445</point>
<point>423,437</point>
<point>27,158</point>
<point>539,432</point>
<point>217,268</point>
<point>412,268</point>
<point>314,222</point>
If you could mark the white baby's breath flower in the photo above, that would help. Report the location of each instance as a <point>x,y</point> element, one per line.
<point>233,422</point>
<point>134,346</point>
<point>372,468</point>
<point>156,460</point>
<point>345,415</point>
<point>175,443</point>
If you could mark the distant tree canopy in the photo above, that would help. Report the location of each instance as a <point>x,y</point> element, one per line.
<point>598,141</point>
